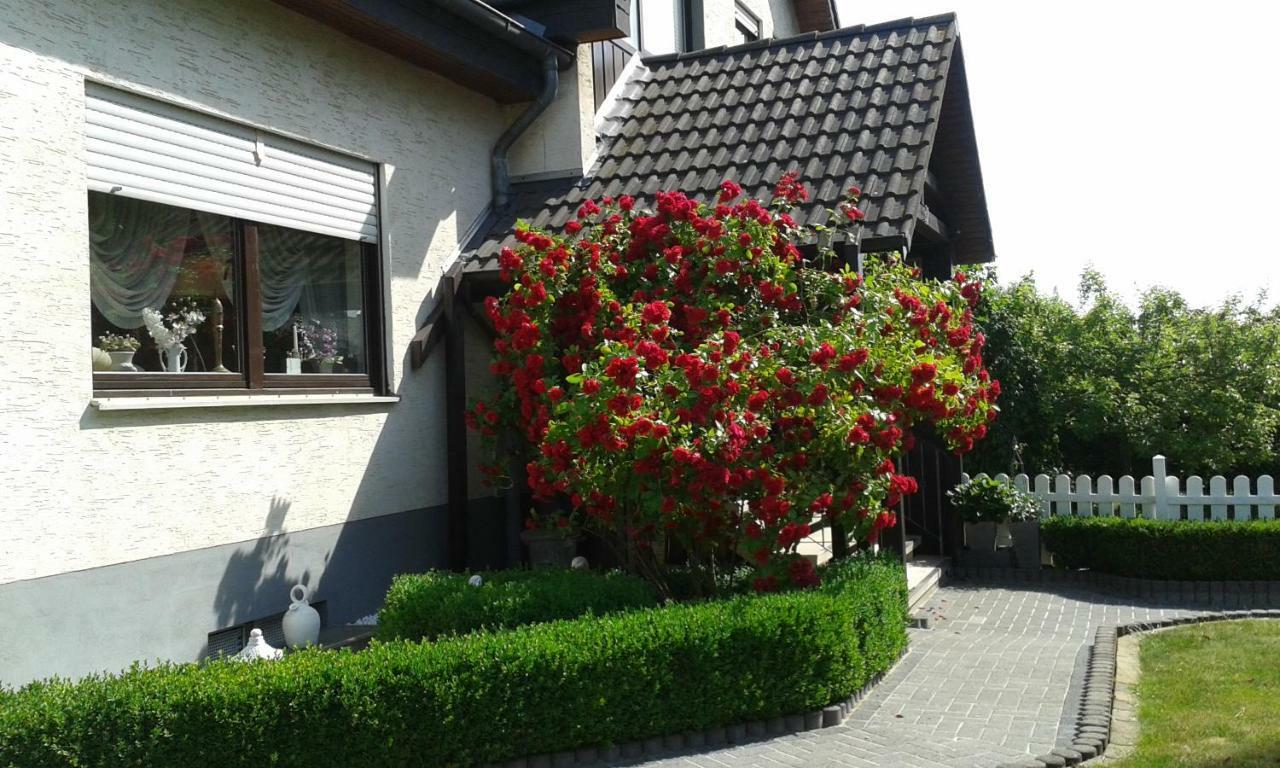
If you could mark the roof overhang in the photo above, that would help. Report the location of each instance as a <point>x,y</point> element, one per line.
<point>815,15</point>
<point>465,41</point>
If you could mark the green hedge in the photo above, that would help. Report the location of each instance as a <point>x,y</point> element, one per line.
<point>1166,549</point>
<point>483,697</point>
<point>430,605</point>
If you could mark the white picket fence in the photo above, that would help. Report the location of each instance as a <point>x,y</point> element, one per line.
<point>1158,496</point>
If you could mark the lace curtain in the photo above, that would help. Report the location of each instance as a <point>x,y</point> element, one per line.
<point>136,251</point>
<point>292,267</point>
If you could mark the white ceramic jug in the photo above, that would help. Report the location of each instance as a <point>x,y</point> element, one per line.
<point>301,622</point>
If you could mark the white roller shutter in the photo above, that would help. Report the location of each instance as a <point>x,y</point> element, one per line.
<point>154,151</point>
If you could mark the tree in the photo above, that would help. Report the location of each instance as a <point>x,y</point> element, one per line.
<point>1099,388</point>
<point>687,374</point>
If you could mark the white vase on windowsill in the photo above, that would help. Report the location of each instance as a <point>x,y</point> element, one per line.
<point>122,360</point>
<point>174,358</point>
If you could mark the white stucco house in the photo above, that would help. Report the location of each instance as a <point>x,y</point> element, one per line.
<point>241,242</point>
<point>300,174</point>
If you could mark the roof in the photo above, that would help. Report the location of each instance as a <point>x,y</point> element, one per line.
<point>859,105</point>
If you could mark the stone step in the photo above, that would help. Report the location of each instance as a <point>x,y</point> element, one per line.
<point>909,548</point>
<point>924,574</point>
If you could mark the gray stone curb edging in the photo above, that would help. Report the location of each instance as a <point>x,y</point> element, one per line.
<point>1093,724</point>
<point>616,755</point>
<point>1219,594</point>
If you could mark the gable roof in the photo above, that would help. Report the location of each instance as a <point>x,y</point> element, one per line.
<point>860,105</point>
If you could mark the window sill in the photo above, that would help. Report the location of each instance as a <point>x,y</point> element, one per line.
<point>235,401</point>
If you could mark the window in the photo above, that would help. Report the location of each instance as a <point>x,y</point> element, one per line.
<point>745,23</point>
<point>660,26</point>
<point>222,259</point>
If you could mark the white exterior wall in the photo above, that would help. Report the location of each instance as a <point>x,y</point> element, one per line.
<point>84,488</point>
<point>561,141</point>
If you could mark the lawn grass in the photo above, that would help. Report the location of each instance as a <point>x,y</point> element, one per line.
<point>1209,695</point>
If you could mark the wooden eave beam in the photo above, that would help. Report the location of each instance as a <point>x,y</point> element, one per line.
<point>931,226</point>
<point>424,342</point>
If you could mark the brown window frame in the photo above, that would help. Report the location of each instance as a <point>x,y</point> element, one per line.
<point>252,379</point>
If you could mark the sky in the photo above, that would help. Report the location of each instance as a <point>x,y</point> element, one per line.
<point>1137,137</point>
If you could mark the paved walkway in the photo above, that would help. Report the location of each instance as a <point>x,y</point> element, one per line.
<point>991,681</point>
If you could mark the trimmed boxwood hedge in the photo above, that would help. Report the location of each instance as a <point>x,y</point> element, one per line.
<point>482,697</point>
<point>430,605</point>
<point>1181,550</point>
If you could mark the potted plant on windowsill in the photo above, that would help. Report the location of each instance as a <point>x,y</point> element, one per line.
<point>551,538</point>
<point>318,346</point>
<point>120,349</point>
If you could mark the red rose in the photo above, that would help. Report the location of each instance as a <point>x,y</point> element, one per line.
<point>656,312</point>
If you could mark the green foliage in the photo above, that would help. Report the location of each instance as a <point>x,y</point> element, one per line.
<point>429,605</point>
<point>984,500</point>
<point>1166,549</point>
<point>479,698</point>
<point>880,612</point>
<point>1101,388</point>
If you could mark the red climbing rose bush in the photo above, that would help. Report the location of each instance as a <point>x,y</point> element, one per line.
<point>686,373</point>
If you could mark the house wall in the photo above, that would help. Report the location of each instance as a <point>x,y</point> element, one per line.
<point>125,521</point>
<point>561,141</point>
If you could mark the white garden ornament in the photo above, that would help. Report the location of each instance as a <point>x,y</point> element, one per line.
<point>301,622</point>
<point>257,648</point>
<point>579,563</point>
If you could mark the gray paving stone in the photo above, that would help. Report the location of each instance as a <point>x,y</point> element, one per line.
<point>990,683</point>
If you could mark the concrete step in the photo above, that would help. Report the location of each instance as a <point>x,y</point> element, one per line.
<point>924,574</point>
<point>910,547</point>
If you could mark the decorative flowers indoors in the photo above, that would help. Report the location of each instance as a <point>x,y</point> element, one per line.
<point>170,330</point>
<point>174,327</point>
<point>317,341</point>
<point>110,342</point>
<point>687,372</point>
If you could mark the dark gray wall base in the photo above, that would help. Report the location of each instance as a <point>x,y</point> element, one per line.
<point>1092,732</point>
<point>1216,594</point>
<point>677,744</point>
<point>163,608</point>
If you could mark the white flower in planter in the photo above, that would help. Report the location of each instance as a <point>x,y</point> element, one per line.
<point>475,580</point>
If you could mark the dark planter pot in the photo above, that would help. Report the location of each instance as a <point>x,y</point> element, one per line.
<point>549,549</point>
<point>980,537</point>
<point>1026,543</point>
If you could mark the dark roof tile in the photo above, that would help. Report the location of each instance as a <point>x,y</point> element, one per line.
<point>859,105</point>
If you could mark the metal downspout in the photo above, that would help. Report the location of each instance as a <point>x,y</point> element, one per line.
<point>500,174</point>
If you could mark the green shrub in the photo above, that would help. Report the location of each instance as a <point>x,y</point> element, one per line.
<point>430,605</point>
<point>880,610</point>
<point>1166,549</point>
<point>483,697</point>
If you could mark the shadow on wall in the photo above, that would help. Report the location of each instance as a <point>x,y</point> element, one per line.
<point>350,565</point>
<point>256,577</point>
